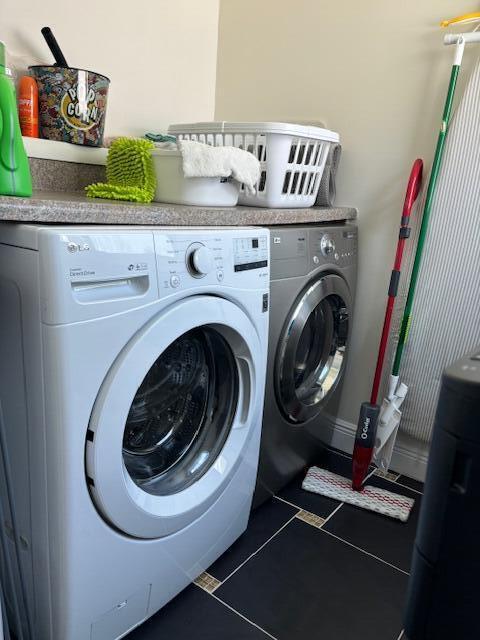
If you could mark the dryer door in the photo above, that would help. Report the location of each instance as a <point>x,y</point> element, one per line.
<point>173,417</point>
<point>311,351</point>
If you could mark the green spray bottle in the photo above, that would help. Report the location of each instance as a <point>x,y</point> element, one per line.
<point>15,178</point>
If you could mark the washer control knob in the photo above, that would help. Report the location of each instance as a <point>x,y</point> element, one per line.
<point>200,260</point>
<point>327,245</point>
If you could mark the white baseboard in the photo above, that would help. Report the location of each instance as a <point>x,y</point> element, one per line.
<point>410,457</point>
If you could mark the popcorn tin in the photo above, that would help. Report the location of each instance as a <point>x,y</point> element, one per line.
<point>71,104</point>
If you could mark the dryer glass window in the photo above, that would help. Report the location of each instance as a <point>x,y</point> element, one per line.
<point>320,351</point>
<point>182,413</point>
<point>311,349</point>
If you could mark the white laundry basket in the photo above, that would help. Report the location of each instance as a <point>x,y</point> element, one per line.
<point>292,157</point>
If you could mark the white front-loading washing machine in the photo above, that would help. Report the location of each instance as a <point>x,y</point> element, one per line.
<point>132,373</point>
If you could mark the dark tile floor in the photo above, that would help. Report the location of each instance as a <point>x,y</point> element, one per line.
<point>307,567</point>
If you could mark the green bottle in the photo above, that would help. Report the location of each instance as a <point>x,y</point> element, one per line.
<point>15,178</point>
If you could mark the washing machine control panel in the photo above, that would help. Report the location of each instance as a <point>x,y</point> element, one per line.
<point>199,260</point>
<point>250,253</point>
<point>236,257</point>
<point>88,270</point>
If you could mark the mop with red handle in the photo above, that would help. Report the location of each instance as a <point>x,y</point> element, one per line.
<point>331,485</point>
<point>370,411</point>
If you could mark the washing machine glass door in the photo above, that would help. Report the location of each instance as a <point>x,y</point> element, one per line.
<point>173,417</point>
<point>311,352</point>
<point>182,412</point>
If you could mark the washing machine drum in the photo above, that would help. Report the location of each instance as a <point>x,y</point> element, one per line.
<point>173,417</point>
<point>311,352</point>
<point>182,412</point>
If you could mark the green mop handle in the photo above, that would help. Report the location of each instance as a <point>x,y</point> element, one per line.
<point>432,183</point>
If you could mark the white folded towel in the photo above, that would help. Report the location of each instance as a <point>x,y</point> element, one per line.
<point>205,161</point>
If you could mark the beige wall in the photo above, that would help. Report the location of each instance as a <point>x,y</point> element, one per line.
<point>376,71</point>
<point>160,55</point>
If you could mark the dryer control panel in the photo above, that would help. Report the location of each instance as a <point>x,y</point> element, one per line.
<point>298,250</point>
<point>335,245</point>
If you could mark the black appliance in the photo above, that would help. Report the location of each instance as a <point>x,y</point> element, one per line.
<point>444,590</point>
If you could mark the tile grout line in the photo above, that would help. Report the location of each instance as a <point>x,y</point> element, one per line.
<point>254,624</point>
<point>259,549</point>
<point>404,486</point>
<point>326,519</point>
<point>295,506</point>
<point>333,513</point>
<point>363,551</point>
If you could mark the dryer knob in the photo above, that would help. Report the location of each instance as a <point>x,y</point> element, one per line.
<point>201,260</point>
<point>327,245</point>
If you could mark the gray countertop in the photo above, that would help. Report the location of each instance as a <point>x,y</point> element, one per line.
<point>75,208</point>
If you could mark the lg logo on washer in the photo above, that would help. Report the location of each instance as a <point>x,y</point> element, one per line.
<point>73,247</point>
<point>138,266</point>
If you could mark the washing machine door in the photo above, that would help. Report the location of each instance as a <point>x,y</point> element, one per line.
<point>311,351</point>
<point>173,417</point>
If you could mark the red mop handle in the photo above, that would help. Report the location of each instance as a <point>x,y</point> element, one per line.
<point>369,412</point>
<point>413,188</point>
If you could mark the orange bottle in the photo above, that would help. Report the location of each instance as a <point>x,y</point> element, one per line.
<point>28,106</point>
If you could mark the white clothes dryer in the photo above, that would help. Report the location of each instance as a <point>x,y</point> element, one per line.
<point>132,373</point>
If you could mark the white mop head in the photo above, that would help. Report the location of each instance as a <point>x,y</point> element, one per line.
<point>333,486</point>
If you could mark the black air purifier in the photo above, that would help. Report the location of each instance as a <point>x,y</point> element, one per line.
<point>444,590</point>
